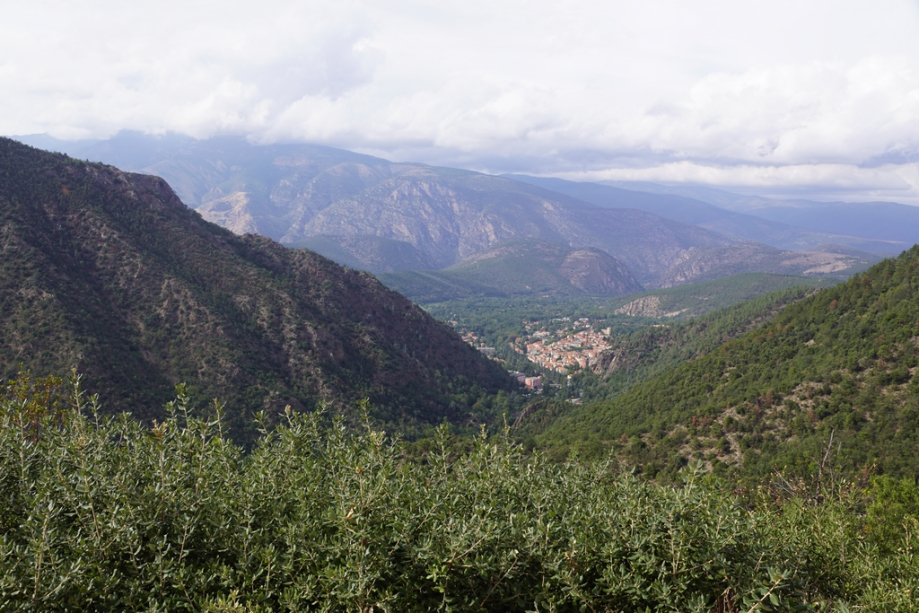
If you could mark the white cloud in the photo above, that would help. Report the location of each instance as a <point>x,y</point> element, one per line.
<point>755,93</point>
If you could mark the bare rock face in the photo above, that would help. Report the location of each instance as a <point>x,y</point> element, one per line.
<point>232,212</point>
<point>646,306</point>
<point>597,273</point>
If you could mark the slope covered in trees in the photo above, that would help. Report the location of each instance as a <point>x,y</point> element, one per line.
<point>519,268</point>
<point>838,365</point>
<point>644,354</point>
<point>111,274</point>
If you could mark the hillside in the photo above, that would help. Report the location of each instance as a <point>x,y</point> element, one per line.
<point>840,363</point>
<point>831,261</point>
<point>639,356</point>
<point>387,216</point>
<point>110,273</point>
<point>522,267</point>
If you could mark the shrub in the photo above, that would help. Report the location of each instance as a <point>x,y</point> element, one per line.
<point>105,514</point>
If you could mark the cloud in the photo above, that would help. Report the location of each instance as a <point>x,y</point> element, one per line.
<point>755,93</point>
<point>199,67</point>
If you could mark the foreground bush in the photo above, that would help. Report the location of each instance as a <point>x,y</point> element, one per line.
<point>108,515</point>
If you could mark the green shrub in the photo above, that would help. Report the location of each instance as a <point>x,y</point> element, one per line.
<point>105,514</point>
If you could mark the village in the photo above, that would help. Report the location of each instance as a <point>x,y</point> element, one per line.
<point>571,347</point>
<point>566,348</point>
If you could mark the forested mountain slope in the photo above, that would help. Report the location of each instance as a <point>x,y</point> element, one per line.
<point>521,267</point>
<point>639,356</point>
<point>111,274</point>
<point>842,361</point>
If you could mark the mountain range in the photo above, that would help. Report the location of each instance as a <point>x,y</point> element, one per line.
<point>111,274</point>
<point>889,223</point>
<point>384,216</point>
<point>796,226</point>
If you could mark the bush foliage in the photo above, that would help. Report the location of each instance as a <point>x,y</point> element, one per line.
<point>102,513</point>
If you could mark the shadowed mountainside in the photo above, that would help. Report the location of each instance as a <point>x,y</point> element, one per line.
<point>110,273</point>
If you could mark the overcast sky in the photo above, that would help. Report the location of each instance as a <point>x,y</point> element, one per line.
<point>816,97</point>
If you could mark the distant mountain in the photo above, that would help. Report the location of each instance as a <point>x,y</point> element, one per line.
<point>383,216</point>
<point>521,267</point>
<point>827,261</point>
<point>771,226</point>
<point>896,225</point>
<point>373,253</point>
<point>110,273</point>
<point>360,205</point>
<point>878,220</point>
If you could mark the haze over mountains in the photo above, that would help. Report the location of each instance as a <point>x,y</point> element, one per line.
<point>881,221</point>
<point>382,216</point>
<point>798,225</point>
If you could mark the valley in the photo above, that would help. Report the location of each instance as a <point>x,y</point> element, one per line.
<point>841,361</point>
<point>574,347</point>
<point>561,332</point>
<point>459,307</point>
<point>296,329</point>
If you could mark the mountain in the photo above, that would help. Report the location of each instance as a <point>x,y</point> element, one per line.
<point>294,193</point>
<point>890,223</point>
<point>878,220</point>
<point>834,374</point>
<point>388,216</point>
<point>373,253</point>
<point>715,263</point>
<point>521,267</point>
<point>110,273</point>
<point>765,226</point>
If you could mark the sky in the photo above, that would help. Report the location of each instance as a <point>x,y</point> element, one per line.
<point>811,98</point>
